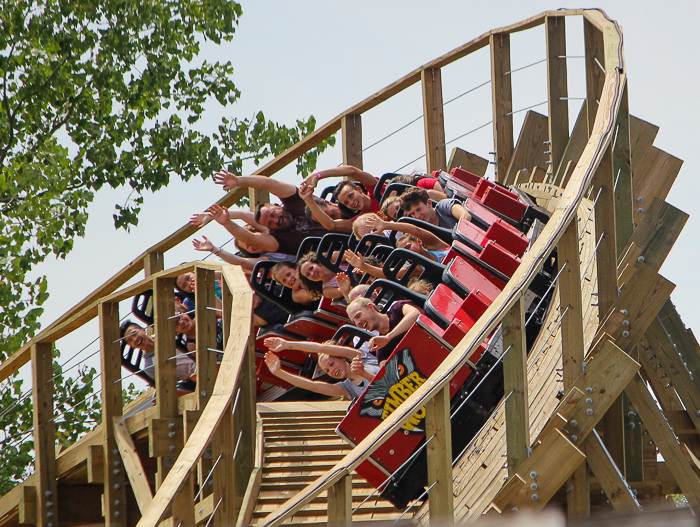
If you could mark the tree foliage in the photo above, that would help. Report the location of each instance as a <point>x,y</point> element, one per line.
<point>107,92</point>
<point>103,93</point>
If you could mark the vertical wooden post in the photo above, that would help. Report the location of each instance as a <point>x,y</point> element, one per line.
<point>153,263</point>
<point>110,359</point>
<point>44,435</point>
<point>224,485</point>
<point>433,119</point>
<point>205,322</point>
<point>439,452</point>
<point>502,101</point>
<point>594,46</point>
<point>226,306</point>
<point>622,169</point>
<point>164,327</point>
<point>557,89</point>
<point>257,196</point>
<point>515,381</point>
<point>352,140</point>
<point>340,503</point>
<point>578,493</point>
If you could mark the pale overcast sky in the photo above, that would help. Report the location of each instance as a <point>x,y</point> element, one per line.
<point>301,58</point>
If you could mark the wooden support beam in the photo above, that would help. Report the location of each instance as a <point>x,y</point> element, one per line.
<point>515,385</point>
<point>27,505</point>
<point>340,503</point>
<point>132,464</point>
<point>164,327</point>
<point>540,476</point>
<point>226,307</point>
<point>223,448</point>
<point>642,135</point>
<point>165,436</point>
<point>654,176</point>
<point>622,171</point>
<point>433,119</point>
<point>683,342</point>
<point>634,442</point>
<point>557,89</point>
<point>352,140</point>
<point>439,453</point>
<point>205,325</point>
<point>609,476</point>
<point>663,389</point>
<point>578,495</point>
<point>153,263</point>
<point>665,439</point>
<point>530,149</point>
<point>257,196</point>
<point>467,161</point>
<point>44,434</point>
<point>502,102</point>
<point>574,148</point>
<point>114,500</point>
<point>95,464</point>
<point>594,46</point>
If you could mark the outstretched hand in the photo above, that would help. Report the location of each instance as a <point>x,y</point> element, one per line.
<point>205,245</point>
<point>275,344</point>
<point>229,180</point>
<point>357,366</point>
<point>200,219</point>
<point>310,182</point>
<point>354,259</point>
<point>219,213</point>
<point>273,363</point>
<point>372,220</point>
<point>378,342</point>
<point>344,283</point>
<point>306,193</point>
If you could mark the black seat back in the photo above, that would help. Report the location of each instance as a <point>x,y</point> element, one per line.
<point>399,188</point>
<point>309,245</point>
<point>444,234</point>
<point>264,285</point>
<point>403,259</point>
<point>347,335</point>
<point>142,307</point>
<point>132,361</point>
<point>390,292</point>
<point>330,250</point>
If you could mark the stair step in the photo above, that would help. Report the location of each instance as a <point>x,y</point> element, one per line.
<point>300,425</point>
<point>293,457</point>
<point>301,435</point>
<point>306,419</point>
<point>320,508</point>
<point>316,469</point>
<point>278,495</point>
<point>306,446</point>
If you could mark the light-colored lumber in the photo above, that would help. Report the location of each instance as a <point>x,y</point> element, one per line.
<point>502,102</point>
<point>340,503</point>
<point>530,149</point>
<point>515,385</point>
<point>433,119</point>
<point>27,505</point>
<point>557,90</point>
<point>467,161</point>
<point>622,174</point>
<point>608,475</point>
<point>653,178</point>
<point>351,125</point>
<point>439,454</point>
<point>574,148</point>
<point>205,325</point>
<point>132,464</point>
<point>256,479</point>
<point>95,464</point>
<point>686,346</point>
<point>153,262</point>
<point>642,135</point>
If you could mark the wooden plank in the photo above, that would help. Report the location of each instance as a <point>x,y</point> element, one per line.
<point>340,503</point>
<point>95,464</point>
<point>570,307</point>
<point>468,161</point>
<point>223,449</point>
<point>541,475</point>
<point>683,343</point>
<point>132,464</point>
<point>530,149</point>
<point>439,454</point>
<point>245,422</point>
<point>642,135</point>
<point>153,263</point>
<point>665,439</point>
<point>351,126</point>
<point>574,148</point>
<point>249,500</point>
<point>622,171</point>
<point>165,436</point>
<point>115,509</point>
<point>515,385</point>
<point>594,46</point>
<point>502,102</point>
<point>557,90</point>
<point>164,328</point>
<point>654,177</point>
<point>609,476</point>
<point>257,196</point>
<point>205,327</point>
<point>665,393</point>
<point>433,119</point>
<point>27,505</point>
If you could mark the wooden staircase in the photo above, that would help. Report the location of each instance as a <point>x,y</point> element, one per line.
<point>300,445</point>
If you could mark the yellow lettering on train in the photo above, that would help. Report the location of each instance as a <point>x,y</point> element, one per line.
<point>401,391</point>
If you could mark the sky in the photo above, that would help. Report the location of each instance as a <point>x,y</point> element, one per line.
<point>296,59</point>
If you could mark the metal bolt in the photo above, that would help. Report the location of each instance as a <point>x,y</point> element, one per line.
<point>533,474</point>
<point>569,488</point>
<point>634,492</point>
<point>117,514</point>
<point>630,414</point>
<point>640,199</point>
<point>117,486</point>
<point>573,422</point>
<point>204,394</point>
<point>697,413</point>
<point>50,524</point>
<point>625,333</point>
<point>115,451</point>
<point>172,448</point>
<point>624,312</point>
<point>583,365</point>
<point>116,462</point>
<point>535,497</point>
<point>574,438</point>
<point>171,434</point>
<point>49,503</point>
<point>117,503</point>
<point>48,492</point>
<point>171,426</point>
<point>640,259</point>
<point>640,210</point>
<point>589,411</point>
<point>533,486</point>
<point>625,323</point>
<point>589,390</point>
<point>49,514</point>
<point>589,401</point>
<point>631,425</point>
<point>116,471</point>
<point>405,432</point>
<point>514,509</point>
<point>391,452</point>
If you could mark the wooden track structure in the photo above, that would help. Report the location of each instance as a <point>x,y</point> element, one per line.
<point>612,346</point>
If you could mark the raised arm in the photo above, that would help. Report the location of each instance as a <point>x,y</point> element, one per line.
<point>246,263</point>
<point>273,364</point>
<point>358,262</point>
<point>307,194</point>
<point>430,240</point>
<point>459,212</point>
<point>410,315</point>
<point>265,242</point>
<point>277,344</point>
<point>342,171</point>
<point>230,181</point>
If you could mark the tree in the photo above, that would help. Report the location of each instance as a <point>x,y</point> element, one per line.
<point>105,92</point>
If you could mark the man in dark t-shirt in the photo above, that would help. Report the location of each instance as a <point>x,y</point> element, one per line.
<point>391,325</point>
<point>287,223</point>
